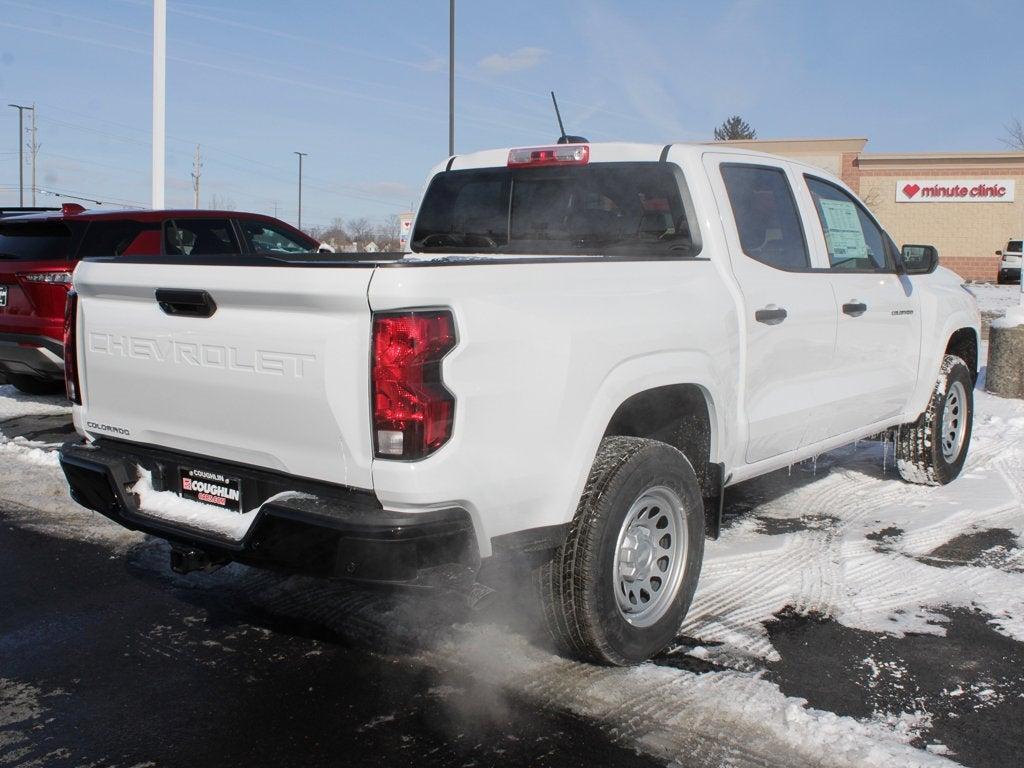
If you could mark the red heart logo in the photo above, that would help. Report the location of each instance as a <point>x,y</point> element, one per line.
<point>911,189</point>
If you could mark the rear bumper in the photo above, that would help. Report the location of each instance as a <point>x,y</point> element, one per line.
<point>330,531</point>
<point>28,355</point>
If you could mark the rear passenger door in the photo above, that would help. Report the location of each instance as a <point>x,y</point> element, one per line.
<point>789,309</point>
<point>879,326</point>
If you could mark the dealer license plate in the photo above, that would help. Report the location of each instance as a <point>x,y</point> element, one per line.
<point>211,488</point>
<point>3,295</point>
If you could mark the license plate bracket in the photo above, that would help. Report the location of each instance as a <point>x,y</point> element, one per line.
<point>212,488</point>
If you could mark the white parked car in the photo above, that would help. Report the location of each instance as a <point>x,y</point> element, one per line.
<point>1010,262</point>
<point>588,344</point>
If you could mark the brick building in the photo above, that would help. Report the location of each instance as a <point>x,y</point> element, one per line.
<point>966,204</point>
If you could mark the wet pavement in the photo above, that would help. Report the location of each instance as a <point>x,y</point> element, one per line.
<point>108,661</point>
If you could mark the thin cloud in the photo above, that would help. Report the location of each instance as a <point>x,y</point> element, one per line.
<point>516,61</point>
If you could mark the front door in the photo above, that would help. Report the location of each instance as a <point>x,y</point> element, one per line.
<point>879,324</point>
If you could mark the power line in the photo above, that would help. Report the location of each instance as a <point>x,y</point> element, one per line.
<point>87,199</point>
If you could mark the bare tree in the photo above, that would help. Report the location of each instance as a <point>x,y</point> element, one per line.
<point>734,128</point>
<point>360,231</point>
<point>387,234</point>
<point>1014,134</point>
<point>334,233</point>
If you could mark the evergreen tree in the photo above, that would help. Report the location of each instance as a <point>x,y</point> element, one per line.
<point>734,128</point>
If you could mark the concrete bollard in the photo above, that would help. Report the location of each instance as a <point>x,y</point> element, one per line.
<point>1005,374</point>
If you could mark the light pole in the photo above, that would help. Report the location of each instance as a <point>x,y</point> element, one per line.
<point>301,155</point>
<point>21,150</point>
<point>159,98</point>
<point>451,77</point>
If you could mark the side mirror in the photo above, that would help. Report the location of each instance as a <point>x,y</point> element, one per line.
<point>999,253</point>
<point>919,259</point>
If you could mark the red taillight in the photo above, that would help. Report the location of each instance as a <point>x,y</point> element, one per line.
<point>71,349</point>
<point>412,409</point>
<point>561,154</point>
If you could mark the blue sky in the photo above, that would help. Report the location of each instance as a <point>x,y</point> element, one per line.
<point>362,86</point>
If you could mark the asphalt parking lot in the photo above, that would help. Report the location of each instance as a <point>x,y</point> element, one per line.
<point>110,659</point>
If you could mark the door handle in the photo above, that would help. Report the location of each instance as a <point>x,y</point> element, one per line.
<point>855,308</point>
<point>186,303</point>
<point>770,315</point>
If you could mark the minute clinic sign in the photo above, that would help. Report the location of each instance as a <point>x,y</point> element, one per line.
<point>954,190</point>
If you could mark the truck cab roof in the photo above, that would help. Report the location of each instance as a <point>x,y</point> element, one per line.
<point>605,152</point>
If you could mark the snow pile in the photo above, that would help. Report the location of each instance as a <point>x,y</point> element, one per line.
<point>29,451</point>
<point>1014,316</point>
<point>14,403</point>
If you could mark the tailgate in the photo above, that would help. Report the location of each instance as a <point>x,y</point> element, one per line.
<point>277,377</point>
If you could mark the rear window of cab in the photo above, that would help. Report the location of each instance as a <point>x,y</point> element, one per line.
<point>615,209</point>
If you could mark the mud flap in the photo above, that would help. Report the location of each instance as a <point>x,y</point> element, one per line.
<point>713,505</point>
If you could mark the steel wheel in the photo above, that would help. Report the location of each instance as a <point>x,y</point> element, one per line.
<point>650,556</point>
<point>954,421</point>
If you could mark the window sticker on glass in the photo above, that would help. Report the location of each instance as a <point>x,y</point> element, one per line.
<point>843,231</point>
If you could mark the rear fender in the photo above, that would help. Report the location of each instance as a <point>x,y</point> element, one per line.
<point>637,375</point>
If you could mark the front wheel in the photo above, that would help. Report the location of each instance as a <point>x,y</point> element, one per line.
<point>932,450</point>
<point>617,590</point>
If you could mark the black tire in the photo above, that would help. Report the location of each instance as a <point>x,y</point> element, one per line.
<point>30,385</point>
<point>578,583</point>
<point>920,457</point>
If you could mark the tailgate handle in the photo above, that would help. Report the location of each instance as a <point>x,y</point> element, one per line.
<point>187,303</point>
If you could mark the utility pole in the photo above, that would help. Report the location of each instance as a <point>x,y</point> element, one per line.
<point>197,167</point>
<point>451,77</point>
<point>301,155</point>
<point>159,98</point>
<point>21,150</point>
<point>34,149</point>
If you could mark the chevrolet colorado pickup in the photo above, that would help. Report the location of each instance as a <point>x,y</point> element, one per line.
<point>586,346</point>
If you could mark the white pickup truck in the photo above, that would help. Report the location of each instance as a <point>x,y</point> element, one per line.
<point>587,345</point>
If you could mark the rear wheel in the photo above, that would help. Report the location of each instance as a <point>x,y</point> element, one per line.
<point>617,590</point>
<point>932,450</point>
<point>30,385</point>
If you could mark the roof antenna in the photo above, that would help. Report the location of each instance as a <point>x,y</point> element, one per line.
<point>563,138</point>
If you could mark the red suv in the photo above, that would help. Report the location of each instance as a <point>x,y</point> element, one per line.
<point>39,251</point>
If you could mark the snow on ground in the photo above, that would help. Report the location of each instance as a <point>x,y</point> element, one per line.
<point>857,558</point>
<point>842,537</point>
<point>32,487</point>
<point>994,298</point>
<point>13,403</point>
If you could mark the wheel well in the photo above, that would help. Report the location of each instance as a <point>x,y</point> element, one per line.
<point>677,414</point>
<point>964,344</point>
